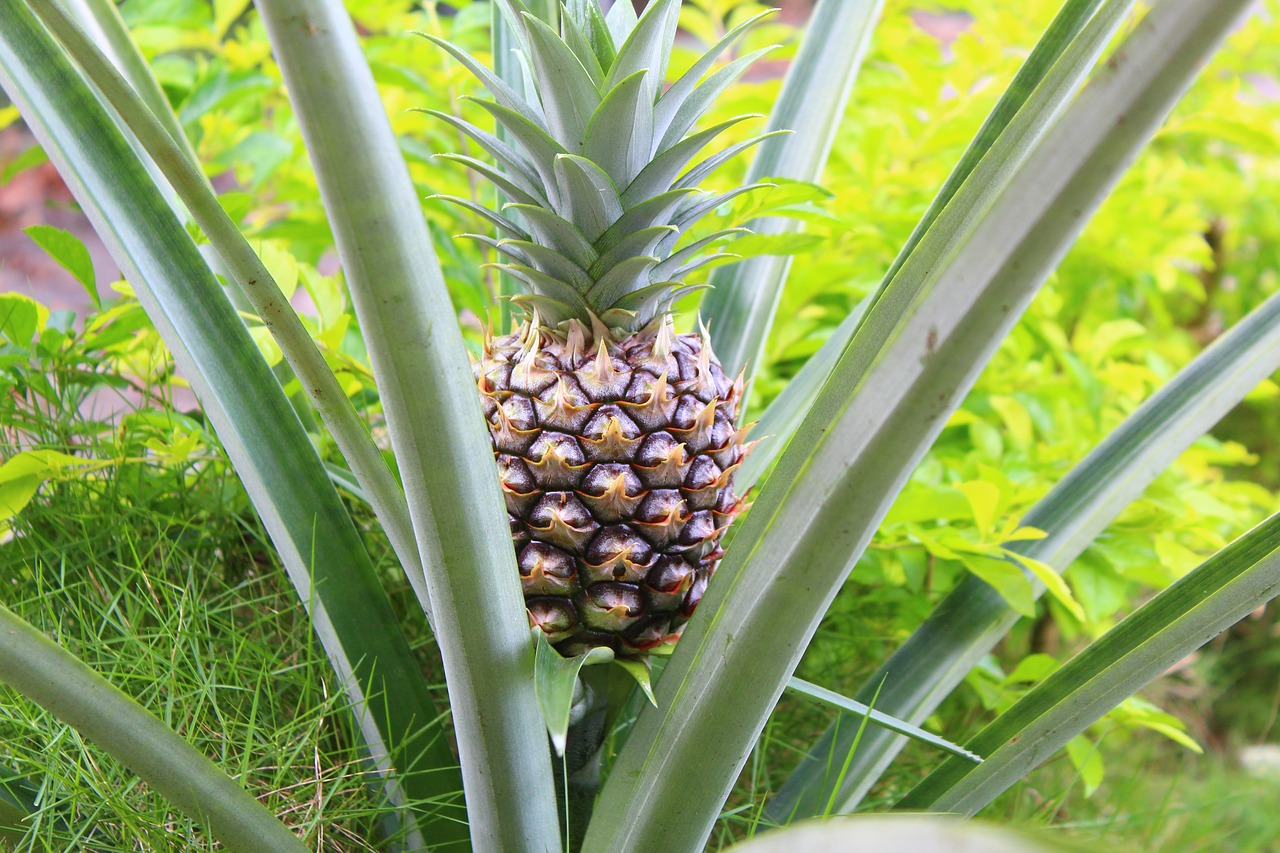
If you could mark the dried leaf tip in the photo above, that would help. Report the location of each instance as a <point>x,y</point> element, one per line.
<point>664,340</point>
<point>605,372</point>
<point>575,348</point>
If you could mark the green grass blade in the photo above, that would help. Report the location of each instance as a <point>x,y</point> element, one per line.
<point>58,681</point>
<point>1056,74</point>
<point>741,306</point>
<point>433,413</point>
<point>317,541</point>
<point>1211,598</point>
<point>877,718</point>
<point>871,424</point>
<point>969,622</point>
<point>246,270</point>
<point>18,804</point>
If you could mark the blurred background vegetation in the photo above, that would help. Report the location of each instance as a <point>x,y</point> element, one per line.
<point>147,559</point>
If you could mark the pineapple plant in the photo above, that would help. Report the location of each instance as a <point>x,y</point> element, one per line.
<point>616,437</point>
<point>596,165</point>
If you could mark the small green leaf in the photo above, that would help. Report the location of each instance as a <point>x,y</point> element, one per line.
<point>33,156</point>
<point>66,248</point>
<point>22,475</point>
<point>1006,578</point>
<point>15,494</point>
<point>282,265</point>
<point>1033,669</point>
<point>267,345</point>
<point>1053,582</point>
<point>1087,761</point>
<point>21,317</point>
<point>640,672</point>
<point>791,243</point>
<point>555,679</point>
<point>984,498</point>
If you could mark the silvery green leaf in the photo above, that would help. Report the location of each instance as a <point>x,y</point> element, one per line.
<point>647,46</point>
<point>531,136</point>
<point>514,186</point>
<point>655,211</point>
<point>548,261</point>
<point>506,156</point>
<point>695,175</point>
<point>557,233</point>
<point>675,96</point>
<point>621,20</point>
<point>621,131</point>
<point>642,242</point>
<point>588,198</point>
<point>660,173</point>
<point>502,93</point>
<point>503,224</point>
<point>581,47</point>
<point>702,97</point>
<point>546,285</point>
<point>569,97</point>
<point>626,277</point>
<point>665,270</point>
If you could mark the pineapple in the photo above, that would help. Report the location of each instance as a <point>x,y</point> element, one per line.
<point>616,437</point>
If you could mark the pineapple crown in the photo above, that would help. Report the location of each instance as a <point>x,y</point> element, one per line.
<point>597,166</point>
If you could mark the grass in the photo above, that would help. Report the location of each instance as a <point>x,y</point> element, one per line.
<point>1156,796</point>
<point>177,601</point>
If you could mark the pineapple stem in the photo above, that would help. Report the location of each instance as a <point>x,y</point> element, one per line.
<point>583,756</point>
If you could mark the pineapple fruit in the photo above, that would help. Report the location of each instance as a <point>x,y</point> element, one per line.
<point>615,436</point>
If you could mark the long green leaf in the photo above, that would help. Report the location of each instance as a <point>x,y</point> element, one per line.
<point>250,274</point>
<point>1041,88</point>
<point>974,617</point>
<point>61,683</point>
<point>1051,74</point>
<point>785,414</point>
<point>741,307</point>
<point>877,718</point>
<point>101,21</point>
<point>436,425</point>
<point>318,544</point>
<point>1211,598</point>
<point>869,427</point>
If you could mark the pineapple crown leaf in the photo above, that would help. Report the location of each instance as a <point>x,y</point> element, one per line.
<point>598,163</point>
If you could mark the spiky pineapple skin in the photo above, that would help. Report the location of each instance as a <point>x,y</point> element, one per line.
<point>616,459</point>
